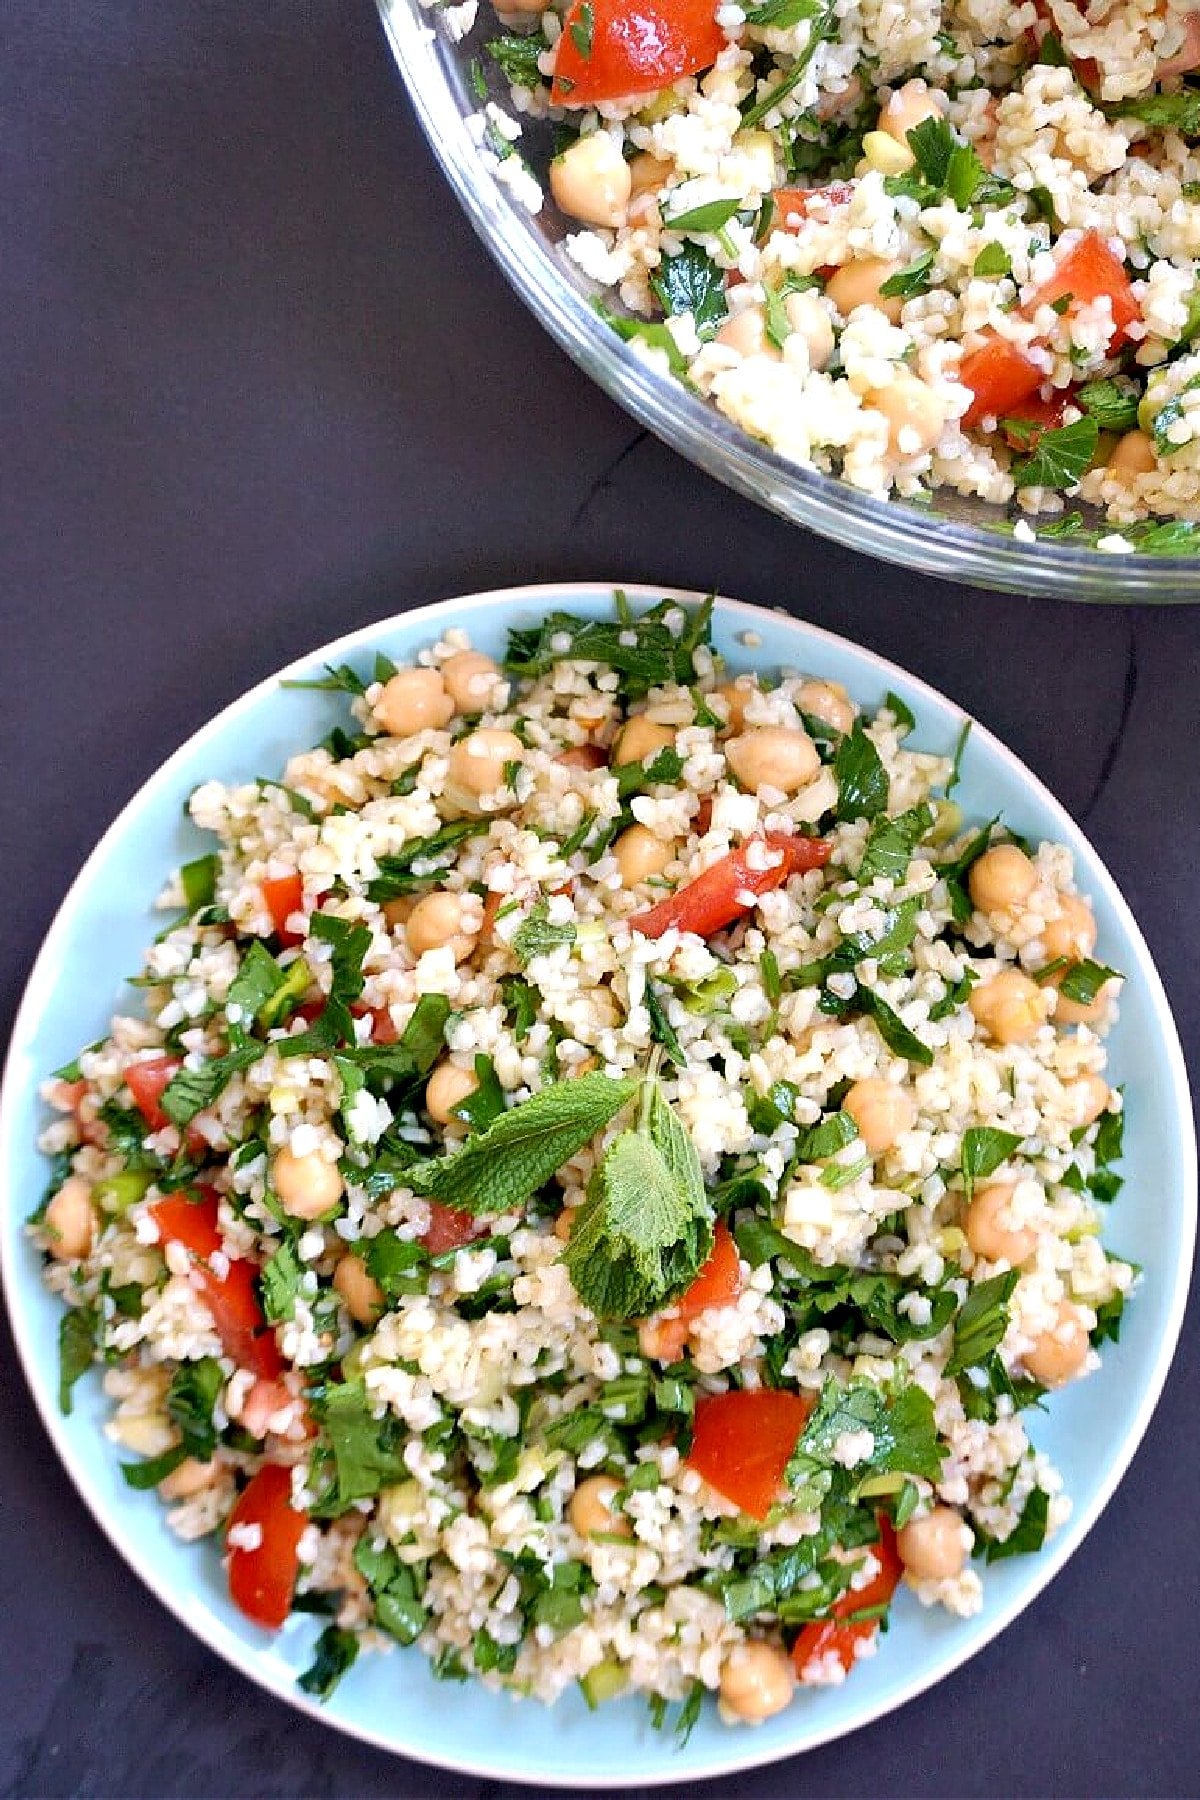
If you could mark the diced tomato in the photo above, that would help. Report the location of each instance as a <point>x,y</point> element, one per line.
<point>703,818</point>
<point>146,1081</point>
<point>310,1011</point>
<point>1001,378</point>
<point>720,1280</point>
<point>743,1441</point>
<point>669,1337</point>
<point>1086,273</point>
<point>610,48</point>
<point>183,1219</point>
<point>792,204</point>
<point>283,895</point>
<point>262,1581</point>
<point>1023,427</point>
<point>449,1229</point>
<point>583,756</point>
<point>231,1298</point>
<point>726,890</point>
<point>834,1634</point>
<point>383,1028</point>
<point>1187,57</point>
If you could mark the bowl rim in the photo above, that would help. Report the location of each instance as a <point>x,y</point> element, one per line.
<point>893,530</point>
<point>18,1279</point>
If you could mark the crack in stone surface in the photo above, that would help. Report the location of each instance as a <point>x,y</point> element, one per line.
<point>1112,753</point>
<point>604,478</point>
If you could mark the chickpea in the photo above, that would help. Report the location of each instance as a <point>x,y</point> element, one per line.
<point>1003,878</point>
<point>640,738</point>
<point>307,1186</point>
<point>70,1220</point>
<point>591,1508</point>
<point>858,283</point>
<point>775,756</point>
<point>591,181</point>
<point>398,911</point>
<point>1133,454</point>
<point>477,762</point>
<point>564,1224</point>
<point>915,414</point>
<point>1060,1353</point>
<point>1073,933</point>
<point>989,1231</point>
<point>932,1548</point>
<point>808,315</point>
<point>757,1681</point>
<point>436,920</point>
<point>191,1477</point>
<point>829,702</point>
<point>1009,1007</point>
<point>447,1088</point>
<point>359,1289</point>
<point>640,855</point>
<point>414,700</point>
<point>470,677</point>
<point>908,107</point>
<point>881,1110</point>
<point>1083,1012</point>
<point>515,8</point>
<point>746,332</point>
<point>646,174</point>
<point>1087,1098</point>
<point>735,695</point>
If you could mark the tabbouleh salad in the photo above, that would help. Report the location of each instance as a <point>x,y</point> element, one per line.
<point>598,1174</point>
<point>939,244</point>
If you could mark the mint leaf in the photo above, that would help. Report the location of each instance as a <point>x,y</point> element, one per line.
<point>500,1169</point>
<point>645,1228</point>
<point>536,935</point>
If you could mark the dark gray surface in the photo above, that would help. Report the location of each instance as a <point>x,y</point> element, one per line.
<point>261,385</point>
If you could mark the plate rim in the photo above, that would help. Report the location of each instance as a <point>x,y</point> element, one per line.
<point>204,1624</point>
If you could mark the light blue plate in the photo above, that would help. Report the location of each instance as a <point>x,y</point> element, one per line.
<point>1091,1431</point>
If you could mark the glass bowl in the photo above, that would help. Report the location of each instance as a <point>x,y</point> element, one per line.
<point>958,538</point>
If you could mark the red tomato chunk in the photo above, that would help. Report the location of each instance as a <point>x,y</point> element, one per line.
<point>743,1443</point>
<point>610,48</point>
<point>262,1580</point>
